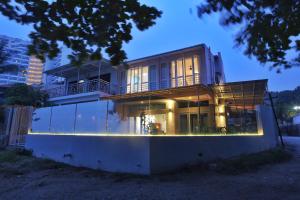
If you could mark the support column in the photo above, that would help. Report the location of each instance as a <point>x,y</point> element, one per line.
<point>170,117</point>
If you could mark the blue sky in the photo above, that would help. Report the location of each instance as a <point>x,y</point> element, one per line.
<point>180,27</point>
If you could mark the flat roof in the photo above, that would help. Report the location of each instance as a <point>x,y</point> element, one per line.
<point>191,90</point>
<point>70,70</point>
<point>194,47</point>
<point>65,70</point>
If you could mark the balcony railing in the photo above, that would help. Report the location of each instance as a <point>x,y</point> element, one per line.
<point>103,86</point>
<point>163,84</point>
<point>78,88</point>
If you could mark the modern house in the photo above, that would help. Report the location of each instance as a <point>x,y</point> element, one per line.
<point>131,118</point>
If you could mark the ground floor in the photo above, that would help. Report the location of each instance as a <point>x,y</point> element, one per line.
<point>31,178</point>
<point>231,108</point>
<point>150,154</point>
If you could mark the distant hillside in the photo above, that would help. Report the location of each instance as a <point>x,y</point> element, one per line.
<point>284,103</point>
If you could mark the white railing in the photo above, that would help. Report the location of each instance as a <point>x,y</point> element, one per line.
<point>173,82</point>
<point>78,88</point>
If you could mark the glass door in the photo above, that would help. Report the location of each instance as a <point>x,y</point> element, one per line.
<point>183,123</point>
<point>164,76</point>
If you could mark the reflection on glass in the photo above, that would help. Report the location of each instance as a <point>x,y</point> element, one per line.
<point>188,71</point>
<point>137,79</point>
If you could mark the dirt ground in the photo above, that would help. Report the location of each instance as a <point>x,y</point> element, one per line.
<point>55,181</point>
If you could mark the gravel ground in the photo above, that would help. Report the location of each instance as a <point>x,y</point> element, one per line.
<point>279,181</point>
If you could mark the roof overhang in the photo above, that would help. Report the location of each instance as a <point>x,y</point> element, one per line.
<point>243,94</point>
<point>170,93</point>
<point>70,70</point>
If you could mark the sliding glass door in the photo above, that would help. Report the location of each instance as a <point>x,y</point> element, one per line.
<point>137,79</point>
<point>185,71</point>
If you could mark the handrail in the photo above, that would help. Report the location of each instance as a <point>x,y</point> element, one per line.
<point>78,88</point>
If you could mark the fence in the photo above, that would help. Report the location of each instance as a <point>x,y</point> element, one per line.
<point>19,122</point>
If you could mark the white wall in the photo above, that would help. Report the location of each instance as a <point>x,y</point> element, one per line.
<point>151,154</point>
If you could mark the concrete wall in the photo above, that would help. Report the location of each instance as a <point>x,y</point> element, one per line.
<point>114,154</point>
<point>151,154</point>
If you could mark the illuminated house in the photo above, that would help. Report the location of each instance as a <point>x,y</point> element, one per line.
<point>169,100</point>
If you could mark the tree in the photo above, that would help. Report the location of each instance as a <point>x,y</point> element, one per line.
<point>25,95</point>
<point>3,54</point>
<point>85,26</point>
<point>270,29</point>
<point>284,103</point>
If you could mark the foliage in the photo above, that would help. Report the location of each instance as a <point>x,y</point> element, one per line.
<point>3,54</point>
<point>284,103</point>
<point>269,28</point>
<point>85,26</point>
<point>25,95</point>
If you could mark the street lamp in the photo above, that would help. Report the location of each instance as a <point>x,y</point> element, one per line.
<point>296,107</point>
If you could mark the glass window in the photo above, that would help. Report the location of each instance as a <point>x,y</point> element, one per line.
<point>179,73</point>
<point>196,70</point>
<point>145,74</point>
<point>189,71</point>
<point>179,68</point>
<point>137,79</point>
<point>196,65</point>
<point>173,74</point>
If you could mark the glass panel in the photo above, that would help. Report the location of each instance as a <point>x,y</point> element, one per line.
<point>154,124</point>
<point>173,74</point>
<point>183,123</point>
<point>164,76</point>
<point>179,73</point>
<point>179,68</point>
<point>91,117</point>
<point>153,77</point>
<point>63,119</point>
<point>129,81</point>
<point>145,74</point>
<point>196,69</point>
<point>189,71</point>
<point>194,123</point>
<point>145,78</point>
<point>41,120</point>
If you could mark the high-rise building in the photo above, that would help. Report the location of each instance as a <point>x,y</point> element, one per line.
<point>16,62</point>
<point>19,67</point>
<point>35,71</point>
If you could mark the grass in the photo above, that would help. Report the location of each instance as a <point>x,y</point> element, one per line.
<point>252,162</point>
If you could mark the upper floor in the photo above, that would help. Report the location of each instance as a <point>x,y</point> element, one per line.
<point>183,67</point>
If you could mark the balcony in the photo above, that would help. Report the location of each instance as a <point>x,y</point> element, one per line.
<point>174,82</point>
<point>95,85</point>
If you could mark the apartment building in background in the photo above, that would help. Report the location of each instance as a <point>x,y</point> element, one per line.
<point>19,67</point>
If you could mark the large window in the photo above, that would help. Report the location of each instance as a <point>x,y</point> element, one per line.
<point>185,71</point>
<point>137,79</point>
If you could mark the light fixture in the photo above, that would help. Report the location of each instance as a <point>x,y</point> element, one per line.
<point>296,107</point>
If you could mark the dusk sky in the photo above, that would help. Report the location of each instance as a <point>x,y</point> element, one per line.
<point>180,27</point>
